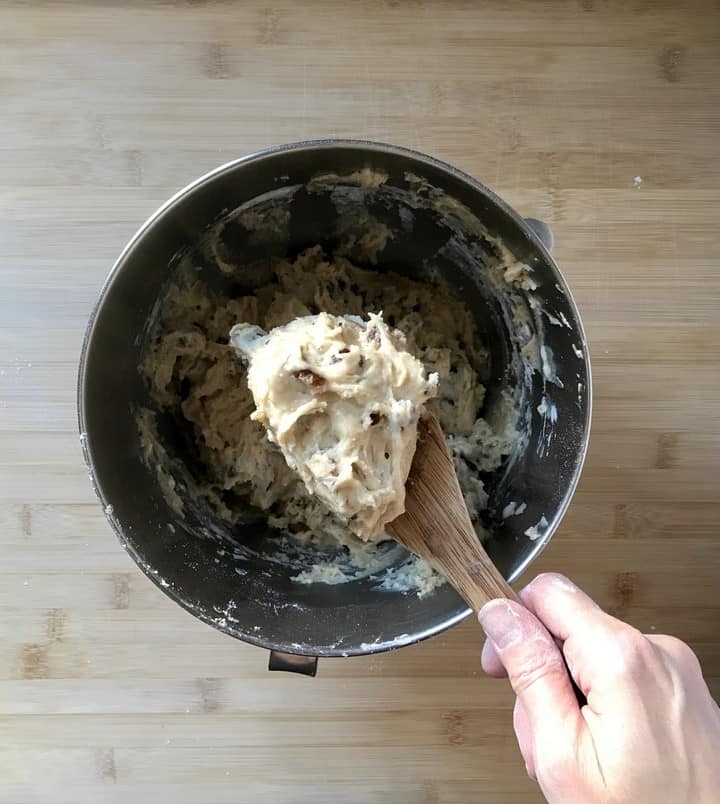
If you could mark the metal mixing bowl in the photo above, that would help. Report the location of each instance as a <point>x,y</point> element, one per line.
<point>442,224</point>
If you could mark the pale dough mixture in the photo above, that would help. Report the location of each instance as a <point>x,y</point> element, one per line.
<point>341,398</point>
<point>196,374</point>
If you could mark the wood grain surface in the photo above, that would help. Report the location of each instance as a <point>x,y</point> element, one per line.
<point>111,693</point>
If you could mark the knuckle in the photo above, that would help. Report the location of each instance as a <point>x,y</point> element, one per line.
<point>535,668</point>
<point>631,652</point>
<point>548,585</point>
<point>688,657</point>
<point>545,579</point>
<point>680,652</point>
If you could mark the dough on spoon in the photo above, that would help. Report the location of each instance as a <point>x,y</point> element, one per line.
<point>341,397</point>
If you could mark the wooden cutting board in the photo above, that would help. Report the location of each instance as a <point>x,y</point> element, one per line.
<point>600,119</point>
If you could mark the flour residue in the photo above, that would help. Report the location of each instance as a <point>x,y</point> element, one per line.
<point>538,530</point>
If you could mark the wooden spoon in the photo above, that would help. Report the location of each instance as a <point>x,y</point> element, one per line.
<point>436,525</point>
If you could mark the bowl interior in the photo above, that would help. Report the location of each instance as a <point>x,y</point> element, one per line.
<point>442,225</point>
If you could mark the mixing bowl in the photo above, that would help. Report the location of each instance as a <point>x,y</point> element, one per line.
<point>439,225</point>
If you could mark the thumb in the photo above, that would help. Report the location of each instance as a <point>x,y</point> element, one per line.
<point>535,669</point>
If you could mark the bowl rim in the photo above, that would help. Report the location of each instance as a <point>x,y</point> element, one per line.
<point>310,146</point>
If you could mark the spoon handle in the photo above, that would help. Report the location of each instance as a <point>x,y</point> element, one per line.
<point>465,563</point>
<point>436,524</point>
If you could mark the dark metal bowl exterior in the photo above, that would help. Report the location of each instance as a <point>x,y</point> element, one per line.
<point>265,607</point>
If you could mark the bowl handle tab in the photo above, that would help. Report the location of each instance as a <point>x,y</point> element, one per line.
<point>543,231</point>
<point>293,663</point>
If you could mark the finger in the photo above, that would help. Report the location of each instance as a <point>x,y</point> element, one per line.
<point>563,608</point>
<point>599,648</point>
<point>490,661</point>
<point>523,732</point>
<point>535,668</point>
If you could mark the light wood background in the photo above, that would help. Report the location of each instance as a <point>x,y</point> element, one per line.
<point>108,691</point>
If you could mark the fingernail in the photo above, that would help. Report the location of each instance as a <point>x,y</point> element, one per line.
<point>501,623</point>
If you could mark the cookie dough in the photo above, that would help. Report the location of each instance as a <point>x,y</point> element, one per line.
<point>341,398</point>
<point>196,379</point>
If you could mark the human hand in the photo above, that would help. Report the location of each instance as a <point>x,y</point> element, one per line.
<point>650,731</point>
